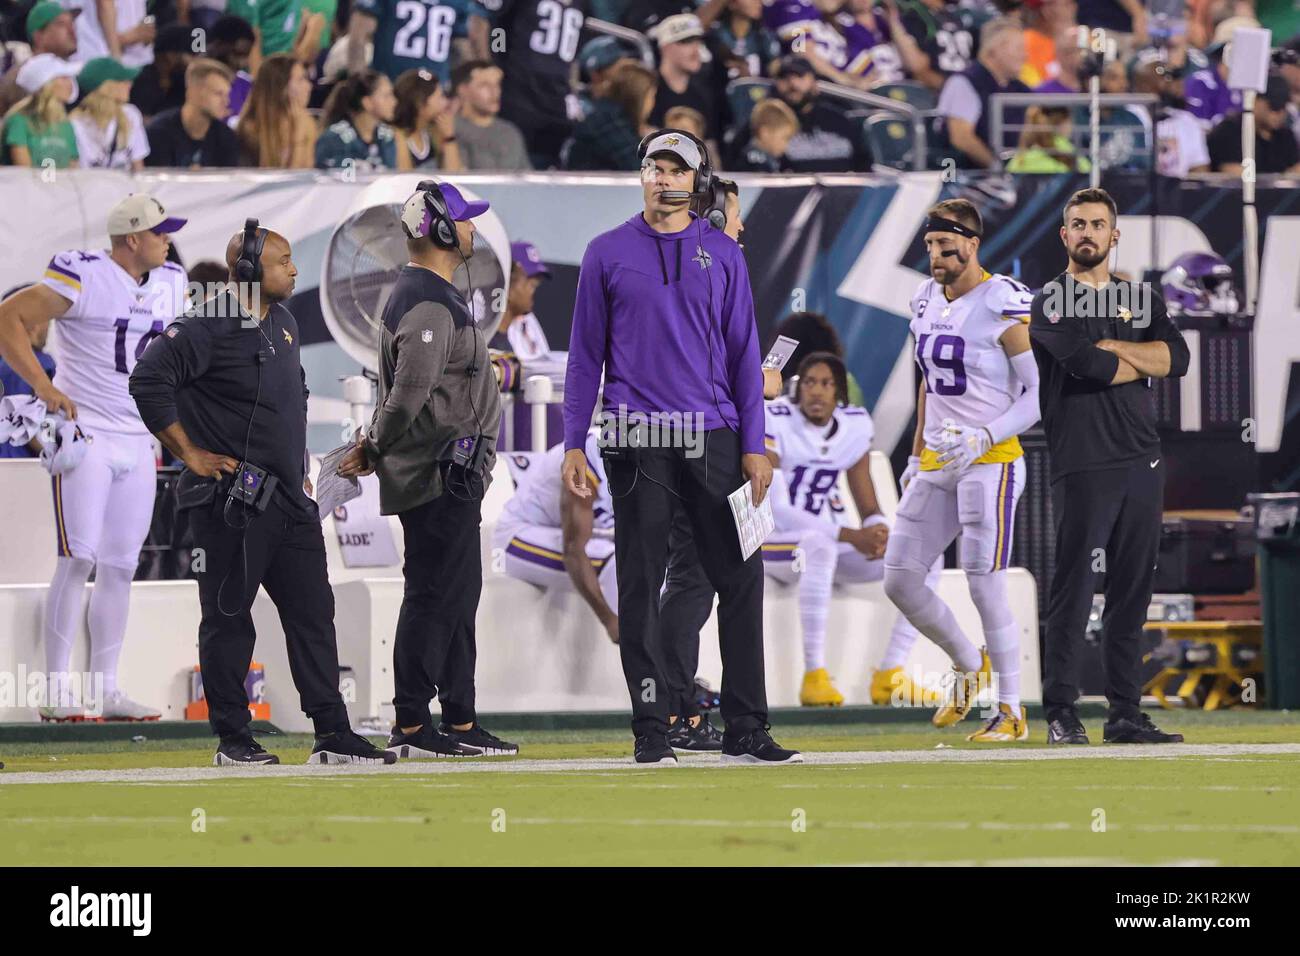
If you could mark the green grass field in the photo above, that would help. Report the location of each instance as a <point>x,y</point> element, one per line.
<point>899,799</point>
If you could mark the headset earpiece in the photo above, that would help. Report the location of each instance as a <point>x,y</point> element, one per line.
<point>716,210</point>
<point>248,267</point>
<point>434,219</point>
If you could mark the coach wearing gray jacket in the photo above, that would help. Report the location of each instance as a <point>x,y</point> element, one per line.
<point>432,441</point>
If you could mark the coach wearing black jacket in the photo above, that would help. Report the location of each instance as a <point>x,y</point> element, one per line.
<point>224,390</point>
<point>433,442</point>
<point>1098,343</point>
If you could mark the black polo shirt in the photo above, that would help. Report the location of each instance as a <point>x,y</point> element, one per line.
<point>1090,423</point>
<point>215,370</point>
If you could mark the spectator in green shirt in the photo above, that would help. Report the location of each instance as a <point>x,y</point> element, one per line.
<point>37,130</point>
<point>357,134</point>
<point>301,27</point>
<point>1046,145</point>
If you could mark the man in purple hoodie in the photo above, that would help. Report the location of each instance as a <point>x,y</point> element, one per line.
<point>664,309</point>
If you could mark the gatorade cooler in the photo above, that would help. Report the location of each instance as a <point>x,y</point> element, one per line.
<point>1277,531</point>
<point>254,686</point>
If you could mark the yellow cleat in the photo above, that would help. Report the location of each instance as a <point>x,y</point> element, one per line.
<point>965,689</point>
<point>1004,727</point>
<point>818,691</point>
<point>886,686</point>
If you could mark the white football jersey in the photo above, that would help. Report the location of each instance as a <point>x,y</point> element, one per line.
<point>99,339</point>
<point>968,377</point>
<point>812,456</point>
<point>540,489</point>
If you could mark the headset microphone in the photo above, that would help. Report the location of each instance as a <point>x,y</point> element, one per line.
<point>676,195</point>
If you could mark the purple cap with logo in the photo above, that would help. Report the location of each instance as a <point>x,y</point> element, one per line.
<point>460,208</point>
<point>529,259</point>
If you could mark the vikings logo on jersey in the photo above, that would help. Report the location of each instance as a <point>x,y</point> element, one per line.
<point>813,456</point>
<point>968,377</point>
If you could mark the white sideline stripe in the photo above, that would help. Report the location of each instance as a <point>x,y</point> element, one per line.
<point>624,765</point>
<point>994,826</point>
<point>1057,826</point>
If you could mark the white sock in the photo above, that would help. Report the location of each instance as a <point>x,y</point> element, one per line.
<point>929,615</point>
<point>903,635</point>
<point>1001,633</point>
<point>63,614</point>
<point>901,638</point>
<point>820,554</point>
<point>110,599</point>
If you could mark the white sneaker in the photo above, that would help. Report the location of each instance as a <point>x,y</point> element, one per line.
<point>117,706</point>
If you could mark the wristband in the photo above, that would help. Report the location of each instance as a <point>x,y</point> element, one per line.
<point>875,519</point>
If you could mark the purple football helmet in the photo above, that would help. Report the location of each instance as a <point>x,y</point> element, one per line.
<point>1199,284</point>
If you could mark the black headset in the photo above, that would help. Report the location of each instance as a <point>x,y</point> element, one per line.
<point>703,175</point>
<point>441,230</point>
<point>248,267</point>
<point>714,205</point>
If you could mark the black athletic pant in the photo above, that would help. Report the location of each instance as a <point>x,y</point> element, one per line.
<point>647,493</point>
<point>1106,521</point>
<point>684,608</point>
<point>284,552</point>
<point>434,651</point>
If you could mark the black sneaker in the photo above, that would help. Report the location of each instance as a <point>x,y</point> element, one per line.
<point>488,744</point>
<point>703,737</point>
<point>1137,729</point>
<point>654,749</point>
<point>1064,727</point>
<point>235,751</point>
<point>428,744</point>
<point>756,746</point>
<point>344,746</point>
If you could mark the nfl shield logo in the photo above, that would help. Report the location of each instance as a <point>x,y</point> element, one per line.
<point>426,335</point>
<point>1054,317</point>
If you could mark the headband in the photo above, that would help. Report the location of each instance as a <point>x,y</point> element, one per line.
<point>947,225</point>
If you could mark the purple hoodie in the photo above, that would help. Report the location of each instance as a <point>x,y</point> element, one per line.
<point>643,314</point>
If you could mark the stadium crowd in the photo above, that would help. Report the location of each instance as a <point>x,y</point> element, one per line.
<point>507,85</point>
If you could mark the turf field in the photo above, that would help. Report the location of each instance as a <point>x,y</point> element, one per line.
<point>870,794</point>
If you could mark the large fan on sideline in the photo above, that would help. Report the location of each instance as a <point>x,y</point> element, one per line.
<point>1199,284</point>
<point>368,249</point>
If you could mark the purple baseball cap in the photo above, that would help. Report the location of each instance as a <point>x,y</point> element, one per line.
<point>529,259</point>
<point>459,207</point>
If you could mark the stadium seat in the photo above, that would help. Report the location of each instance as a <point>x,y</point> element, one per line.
<point>914,94</point>
<point>742,94</point>
<point>890,140</point>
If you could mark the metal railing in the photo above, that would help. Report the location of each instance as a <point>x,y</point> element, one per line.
<point>914,117</point>
<point>633,37</point>
<point>915,121</point>
<point>1000,102</point>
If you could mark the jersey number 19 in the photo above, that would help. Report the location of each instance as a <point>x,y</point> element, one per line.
<point>946,353</point>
